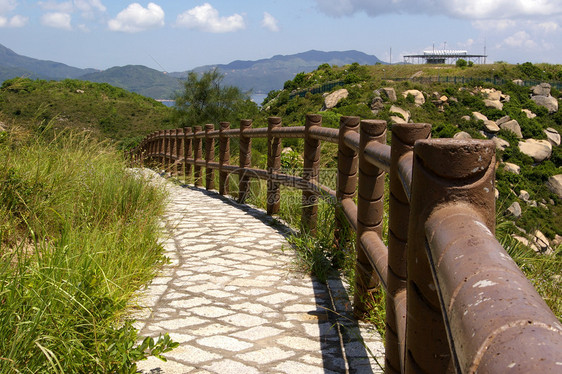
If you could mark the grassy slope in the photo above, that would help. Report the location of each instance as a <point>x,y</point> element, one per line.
<point>79,235</point>
<point>106,111</point>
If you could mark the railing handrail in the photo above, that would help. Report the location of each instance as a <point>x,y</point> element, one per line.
<point>441,199</point>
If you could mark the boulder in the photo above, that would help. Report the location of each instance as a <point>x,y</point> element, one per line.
<point>331,100</point>
<point>528,113</point>
<point>512,168</point>
<point>502,120</point>
<point>492,94</point>
<point>548,102</point>
<point>515,209</point>
<point>542,89</point>
<point>552,136</point>
<point>390,93</point>
<point>465,118</point>
<point>524,195</point>
<point>539,150</point>
<point>444,98</point>
<point>501,144</point>
<point>404,113</point>
<point>491,127</point>
<point>462,135</point>
<point>479,116</point>
<point>377,104</point>
<point>554,184</point>
<point>419,99</point>
<point>518,82</point>
<point>542,243</point>
<point>513,126</point>
<point>493,104</point>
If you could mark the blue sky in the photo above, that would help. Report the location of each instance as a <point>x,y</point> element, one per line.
<point>180,35</point>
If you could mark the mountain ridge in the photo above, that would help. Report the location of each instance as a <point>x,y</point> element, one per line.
<point>257,76</point>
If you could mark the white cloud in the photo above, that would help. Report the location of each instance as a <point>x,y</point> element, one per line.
<point>17,20</point>
<point>54,6</point>
<point>206,18</point>
<point>135,18</point>
<point>548,27</point>
<point>494,25</point>
<point>57,20</point>
<point>269,22</point>
<point>520,39</point>
<point>470,9</point>
<point>7,6</point>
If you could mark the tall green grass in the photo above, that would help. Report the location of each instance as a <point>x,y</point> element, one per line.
<point>78,236</point>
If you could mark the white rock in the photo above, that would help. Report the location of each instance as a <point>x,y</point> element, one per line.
<point>554,184</point>
<point>528,113</point>
<point>493,104</point>
<point>419,99</point>
<point>512,168</point>
<point>501,144</point>
<point>515,209</point>
<point>524,195</point>
<point>334,98</point>
<point>548,102</point>
<point>479,116</point>
<point>404,113</point>
<point>552,136</point>
<point>462,135</point>
<point>542,243</point>
<point>514,127</point>
<point>491,127</point>
<point>539,150</point>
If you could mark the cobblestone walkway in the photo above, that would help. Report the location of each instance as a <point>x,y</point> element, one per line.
<point>231,298</point>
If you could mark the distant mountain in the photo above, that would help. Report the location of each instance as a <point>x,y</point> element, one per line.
<point>259,76</point>
<point>138,78</point>
<point>14,65</point>
<point>264,75</point>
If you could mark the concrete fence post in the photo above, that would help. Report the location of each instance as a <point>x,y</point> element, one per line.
<point>187,153</point>
<point>224,157</point>
<point>167,152</point>
<point>273,165</point>
<point>445,171</point>
<point>347,173</point>
<point>310,173</point>
<point>403,138</point>
<point>370,212</point>
<point>180,152</point>
<point>197,155</point>
<point>245,161</point>
<point>209,157</point>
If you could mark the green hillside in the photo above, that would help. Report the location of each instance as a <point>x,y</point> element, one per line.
<point>106,111</point>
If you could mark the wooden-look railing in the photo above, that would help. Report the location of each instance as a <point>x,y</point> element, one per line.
<point>456,301</point>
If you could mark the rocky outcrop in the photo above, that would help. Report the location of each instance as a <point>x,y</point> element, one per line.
<point>331,100</point>
<point>389,93</point>
<point>539,150</point>
<point>512,168</point>
<point>513,126</point>
<point>400,115</point>
<point>500,143</point>
<point>541,96</point>
<point>554,184</point>
<point>419,99</point>
<point>552,136</point>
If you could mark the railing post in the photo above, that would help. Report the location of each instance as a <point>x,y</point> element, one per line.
<point>187,152</point>
<point>445,171</point>
<point>161,148</point>
<point>224,157</point>
<point>245,161</point>
<point>273,165</point>
<point>370,211</point>
<point>197,154</point>
<point>167,152</point>
<point>403,138</point>
<point>209,157</point>
<point>347,172</point>
<point>310,174</point>
<point>180,152</point>
<point>173,152</point>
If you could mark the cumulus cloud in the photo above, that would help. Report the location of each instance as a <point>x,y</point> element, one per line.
<point>7,6</point>
<point>135,18</point>
<point>57,20</point>
<point>206,18</point>
<point>469,9</point>
<point>520,39</point>
<point>269,22</point>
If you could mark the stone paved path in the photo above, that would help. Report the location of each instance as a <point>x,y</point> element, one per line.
<point>232,299</point>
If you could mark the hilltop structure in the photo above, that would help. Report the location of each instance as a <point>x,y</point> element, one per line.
<point>444,56</point>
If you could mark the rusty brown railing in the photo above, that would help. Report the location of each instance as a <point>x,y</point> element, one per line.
<point>456,301</point>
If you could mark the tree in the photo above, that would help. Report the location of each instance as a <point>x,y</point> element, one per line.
<point>461,63</point>
<point>206,100</point>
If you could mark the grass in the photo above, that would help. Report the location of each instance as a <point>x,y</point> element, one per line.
<point>79,236</point>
